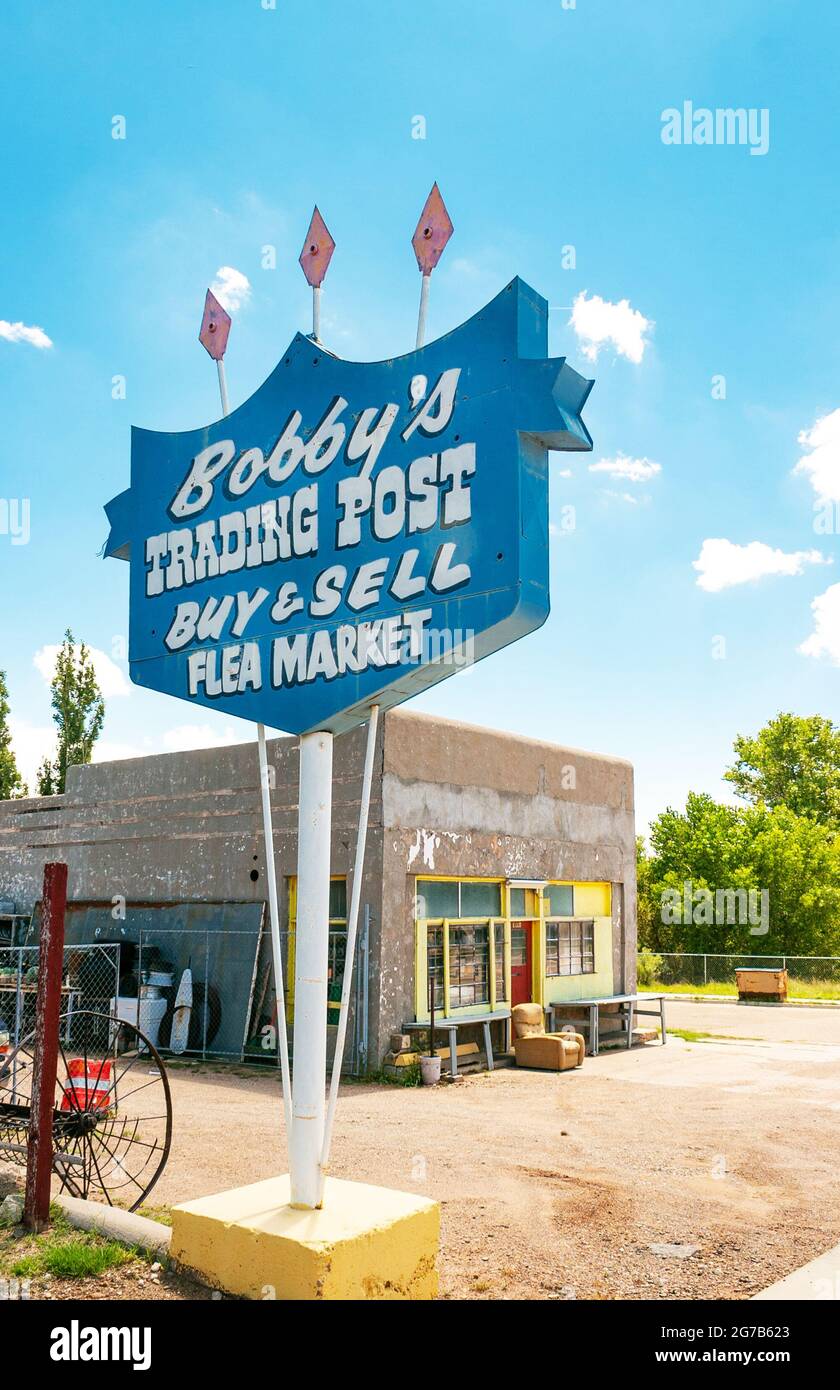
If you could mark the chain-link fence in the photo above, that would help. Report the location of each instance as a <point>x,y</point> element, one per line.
<point>89,983</point>
<point>818,976</point>
<point>210,993</point>
<point>196,979</point>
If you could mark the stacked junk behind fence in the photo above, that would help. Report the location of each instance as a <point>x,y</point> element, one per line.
<point>132,962</point>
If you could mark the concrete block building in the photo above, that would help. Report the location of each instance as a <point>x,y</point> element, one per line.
<point>502,866</point>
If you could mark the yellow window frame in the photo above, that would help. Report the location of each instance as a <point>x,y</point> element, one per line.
<point>289,980</point>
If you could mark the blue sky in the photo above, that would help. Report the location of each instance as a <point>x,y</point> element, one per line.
<point>543,129</point>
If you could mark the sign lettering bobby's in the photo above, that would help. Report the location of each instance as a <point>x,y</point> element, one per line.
<point>432,491</point>
<point>347,531</point>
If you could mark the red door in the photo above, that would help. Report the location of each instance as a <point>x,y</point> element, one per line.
<point>520,963</point>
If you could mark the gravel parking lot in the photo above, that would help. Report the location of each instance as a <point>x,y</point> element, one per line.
<point>557,1186</point>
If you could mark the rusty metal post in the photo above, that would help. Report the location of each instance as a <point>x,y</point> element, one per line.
<point>39,1155</point>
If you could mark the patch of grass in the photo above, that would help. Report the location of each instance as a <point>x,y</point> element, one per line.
<point>406,1076</point>
<point>77,1257</point>
<point>61,1251</point>
<point>161,1214</point>
<point>689,1035</point>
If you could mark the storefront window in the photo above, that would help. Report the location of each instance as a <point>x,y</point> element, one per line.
<point>469,966</point>
<point>480,899</point>
<point>468,898</point>
<point>434,958</point>
<point>338,900</point>
<point>519,902</point>
<point>437,899</point>
<point>501,992</point>
<point>561,900</point>
<point>570,948</point>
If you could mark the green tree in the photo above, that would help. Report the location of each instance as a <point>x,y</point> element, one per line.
<point>11,782</point>
<point>78,711</point>
<point>793,858</point>
<point>792,762</point>
<point>46,778</point>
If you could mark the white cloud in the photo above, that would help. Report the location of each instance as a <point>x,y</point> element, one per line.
<point>23,333</point>
<point>825,639</point>
<point>231,288</point>
<point>822,465</point>
<point>628,470</point>
<point>31,744</point>
<point>112,680</point>
<point>722,564</point>
<point>597,322</point>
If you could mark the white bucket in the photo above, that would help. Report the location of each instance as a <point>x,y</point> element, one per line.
<point>430,1070</point>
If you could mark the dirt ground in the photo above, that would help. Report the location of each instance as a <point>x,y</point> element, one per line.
<point>556,1186</point>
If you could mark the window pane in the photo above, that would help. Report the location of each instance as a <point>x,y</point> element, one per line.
<point>517,903</point>
<point>434,948</point>
<point>480,899</point>
<point>335,967</point>
<point>552,952</point>
<point>565,948</point>
<point>338,898</point>
<point>469,966</point>
<point>518,946</point>
<point>561,900</point>
<point>437,899</point>
<point>501,993</point>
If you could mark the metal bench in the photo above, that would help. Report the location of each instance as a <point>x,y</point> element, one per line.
<point>451,1025</point>
<point>628,1011</point>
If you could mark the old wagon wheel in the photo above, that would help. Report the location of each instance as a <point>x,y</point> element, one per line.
<point>112,1117</point>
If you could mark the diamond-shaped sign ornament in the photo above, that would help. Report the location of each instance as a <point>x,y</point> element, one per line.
<point>215,327</point>
<point>355,531</point>
<point>317,251</point>
<point>432,232</point>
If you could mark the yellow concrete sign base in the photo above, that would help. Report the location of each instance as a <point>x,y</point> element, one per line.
<point>365,1242</point>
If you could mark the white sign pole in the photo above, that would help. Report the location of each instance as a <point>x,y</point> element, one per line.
<point>312,934</point>
<point>350,949</point>
<point>274,920</point>
<point>311,960</point>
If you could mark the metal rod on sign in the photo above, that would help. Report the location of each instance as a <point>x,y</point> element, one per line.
<point>39,1149</point>
<point>220,366</point>
<point>430,237</point>
<point>425,282</point>
<point>352,929</point>
<point>311,963</point>
<point>215,329</point>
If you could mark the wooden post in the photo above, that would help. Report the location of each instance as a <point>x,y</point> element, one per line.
<point>39,1156</point>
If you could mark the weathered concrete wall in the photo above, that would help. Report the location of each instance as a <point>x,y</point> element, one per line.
<point>469,801</point>
<point>447,799</point>
<point>174,827</point>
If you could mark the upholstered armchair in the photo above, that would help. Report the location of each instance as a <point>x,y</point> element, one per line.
<point>534,1047</point>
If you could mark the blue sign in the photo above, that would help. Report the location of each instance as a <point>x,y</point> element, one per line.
<point>354,532</point>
